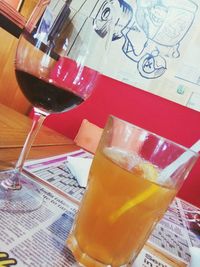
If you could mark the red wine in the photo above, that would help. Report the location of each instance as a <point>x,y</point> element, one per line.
<point>46,95</point>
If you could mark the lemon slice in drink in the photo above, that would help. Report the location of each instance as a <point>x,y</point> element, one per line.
<point>150,172</point>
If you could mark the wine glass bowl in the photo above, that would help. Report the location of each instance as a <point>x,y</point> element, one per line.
<point>55,75</point>
<point>58,61</point>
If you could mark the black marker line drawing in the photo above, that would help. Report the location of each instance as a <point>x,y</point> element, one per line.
<point>152,30</point>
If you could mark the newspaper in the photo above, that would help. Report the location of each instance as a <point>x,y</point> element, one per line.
<point>56,172</point>
<point>39,238</point>
<point>177,231</point>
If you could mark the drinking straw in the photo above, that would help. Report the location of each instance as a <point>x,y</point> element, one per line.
<point>163,176</point>
<point>171,168</point>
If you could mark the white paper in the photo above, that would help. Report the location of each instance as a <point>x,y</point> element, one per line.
<point>80,167</point>
<point>195,257</point>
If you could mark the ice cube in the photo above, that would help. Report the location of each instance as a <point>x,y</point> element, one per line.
<point>123,158</point>
<point>148,170</point>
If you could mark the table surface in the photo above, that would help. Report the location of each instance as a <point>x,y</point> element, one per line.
<point>13,130</point>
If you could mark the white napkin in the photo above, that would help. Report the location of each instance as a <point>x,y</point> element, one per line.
<point>80,168</point>
<point>195,257</point>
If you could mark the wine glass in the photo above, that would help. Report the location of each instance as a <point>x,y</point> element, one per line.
<point>57,64</point>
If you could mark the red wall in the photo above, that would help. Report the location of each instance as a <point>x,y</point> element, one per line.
<point>144,109</point>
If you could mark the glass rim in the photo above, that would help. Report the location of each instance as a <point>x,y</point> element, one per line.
<point>196,154</point>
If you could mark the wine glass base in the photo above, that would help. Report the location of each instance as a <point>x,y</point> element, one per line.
<point>26,199</point>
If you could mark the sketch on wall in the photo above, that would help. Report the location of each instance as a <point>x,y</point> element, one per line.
<point>152,31</point>
<point>155,44</point>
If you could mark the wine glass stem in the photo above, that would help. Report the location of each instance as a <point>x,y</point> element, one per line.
<point>38,120</point>
<point>13,182</point>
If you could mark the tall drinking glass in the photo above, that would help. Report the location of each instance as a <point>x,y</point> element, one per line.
<point>57,64</point>
<point>134,177</point>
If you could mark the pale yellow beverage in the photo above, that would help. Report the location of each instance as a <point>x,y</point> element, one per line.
<point>134,176</point>
<point>119,210</point>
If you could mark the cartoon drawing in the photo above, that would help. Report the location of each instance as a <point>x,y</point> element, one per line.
<point>152,30</point>
<point>116,11</point>
<point>5,261</point>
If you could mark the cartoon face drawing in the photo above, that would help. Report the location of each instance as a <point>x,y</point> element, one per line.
<point>165,22</point>
<point>148,26</point>
<point>119,13</point>
<point>103,19</point>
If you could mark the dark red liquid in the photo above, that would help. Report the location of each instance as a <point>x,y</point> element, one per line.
<point>45,95</point>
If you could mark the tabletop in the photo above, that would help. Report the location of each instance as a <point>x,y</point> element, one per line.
<point>39,238</point>
<point>14,128</point>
